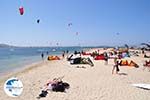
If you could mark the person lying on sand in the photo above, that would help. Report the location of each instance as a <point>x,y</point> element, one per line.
<point>56,85</point>
<point>49,85</point>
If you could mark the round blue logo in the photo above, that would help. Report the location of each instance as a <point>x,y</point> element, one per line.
<point>13,87</point>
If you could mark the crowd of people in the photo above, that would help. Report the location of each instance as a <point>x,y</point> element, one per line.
<point>77,58</point>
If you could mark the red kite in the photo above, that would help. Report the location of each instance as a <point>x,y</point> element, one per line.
<point>21,10</point>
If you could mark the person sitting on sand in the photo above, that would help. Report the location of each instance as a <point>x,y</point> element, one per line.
<point>49,85</point>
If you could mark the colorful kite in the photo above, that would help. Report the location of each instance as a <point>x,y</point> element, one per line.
<point>21,10</point>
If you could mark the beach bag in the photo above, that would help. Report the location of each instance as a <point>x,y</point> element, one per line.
<point>60,87</point>
<point>43,94</point>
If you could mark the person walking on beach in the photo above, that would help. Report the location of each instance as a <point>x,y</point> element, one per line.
<point>106,58</point>
<point>116,66</point>
<point>67,51</point>
<point>63,55</point>
<point>47,52</point>
<point>42,55</point>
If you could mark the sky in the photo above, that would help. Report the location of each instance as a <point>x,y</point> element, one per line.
<point>97,22</point>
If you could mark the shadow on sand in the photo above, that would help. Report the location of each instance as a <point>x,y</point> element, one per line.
<point>81,67</point>
<point>125,74</point>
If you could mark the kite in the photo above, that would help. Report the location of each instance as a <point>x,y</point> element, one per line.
<point>38,21</point>
<point>21,10</point>
<point>77,33</point>
<point>70,24</point>
<point>146,44</point>
<point>118,33</point>
<point>126,46</point>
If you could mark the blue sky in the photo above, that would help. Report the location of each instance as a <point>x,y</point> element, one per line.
<point>96,21</point>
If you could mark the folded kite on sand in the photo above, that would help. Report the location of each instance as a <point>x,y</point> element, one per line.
<point>143,86</point>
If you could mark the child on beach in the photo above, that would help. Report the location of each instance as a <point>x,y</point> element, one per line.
<point>116,66</point>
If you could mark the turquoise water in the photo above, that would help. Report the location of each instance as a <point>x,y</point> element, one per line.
<point>14,58</point>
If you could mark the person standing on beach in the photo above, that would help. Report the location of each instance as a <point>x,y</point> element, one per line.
<point>106,58</point>
<point>63,55</point>
<point>116,66</point>
<point>67,51</point>
<point>47,52</point>
<point>42,55</point>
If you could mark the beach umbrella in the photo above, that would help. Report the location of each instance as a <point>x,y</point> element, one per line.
<point>21,10</point>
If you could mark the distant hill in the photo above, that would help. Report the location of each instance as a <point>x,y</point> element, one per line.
<point>5,46</point>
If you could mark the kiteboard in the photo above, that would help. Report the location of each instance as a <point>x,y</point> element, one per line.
<point>143,86</point>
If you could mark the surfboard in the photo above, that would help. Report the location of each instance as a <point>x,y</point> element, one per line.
<point>143,86</point>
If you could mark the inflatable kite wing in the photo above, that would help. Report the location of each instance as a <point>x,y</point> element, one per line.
<point>77,33</point>
<point>70,24</point>
<point>21,10</point>
<point>38,21</point>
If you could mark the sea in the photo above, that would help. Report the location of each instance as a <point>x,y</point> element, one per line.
<point>14,58</point>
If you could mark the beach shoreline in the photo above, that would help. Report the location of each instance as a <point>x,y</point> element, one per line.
<point>20,70</point>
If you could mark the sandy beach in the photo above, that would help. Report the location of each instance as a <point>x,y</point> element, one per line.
<point>75,50</point>
<point>89,83</point>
